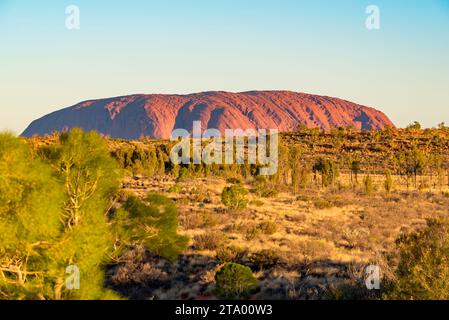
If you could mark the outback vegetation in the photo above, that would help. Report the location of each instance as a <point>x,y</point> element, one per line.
<point>139,227</point>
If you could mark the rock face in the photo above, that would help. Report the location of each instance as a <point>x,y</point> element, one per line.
<point>135,116</point>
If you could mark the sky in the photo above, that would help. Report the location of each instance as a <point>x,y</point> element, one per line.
<point>185,46</point>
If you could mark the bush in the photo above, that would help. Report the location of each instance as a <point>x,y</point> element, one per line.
<point>209,241</point>
<point>264,259</point>
<point>257,203</point>
<point>234,197</point>
<point>263,188</point>
<point>368,184</point>
<point>175,189</point>
<point>234,281</point>
<point>423,271</point>
<point>230,254</point>
<point>323,204</point>
<point>268,227</point>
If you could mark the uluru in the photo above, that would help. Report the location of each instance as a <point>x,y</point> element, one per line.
<point>157,115</point>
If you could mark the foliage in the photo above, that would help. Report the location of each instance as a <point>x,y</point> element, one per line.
<point>328,170</point>
<point>264,188</point>
<point>234,281</point>
<point>31,202</point>
<point>423,271</point>
<point>388,181</point>
<point>64,202</point>
<point>414,126</point>
<point>234,197</point>
<point>264,259</point>
<point>230,254</point>
<point>209,241</point>
<point>355,169</point>
<point>368,184</point>
<point>152,223</point>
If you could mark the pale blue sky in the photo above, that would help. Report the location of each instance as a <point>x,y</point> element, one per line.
<point>184,46</point>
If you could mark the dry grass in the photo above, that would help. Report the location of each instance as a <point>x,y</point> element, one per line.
<point>299,246</point>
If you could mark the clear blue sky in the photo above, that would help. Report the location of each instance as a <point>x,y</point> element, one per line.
<point>184,46</point>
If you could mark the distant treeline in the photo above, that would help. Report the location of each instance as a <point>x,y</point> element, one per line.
<point>313,157</point>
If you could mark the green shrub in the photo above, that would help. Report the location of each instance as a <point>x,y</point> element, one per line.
<point>175,189</point>
<point>234,197</point>
<point>183,174</point>
<point>423,271</point>
<point>234,281</point>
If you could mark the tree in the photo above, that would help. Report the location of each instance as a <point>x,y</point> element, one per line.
<point>416,163</point>
<point>152,223</point>
<point>91,177</point>
<point>355,169</point>
<point>296,167</point>
<point>414,126</point>
<point>368,183</point>
<point>31,198</point>
<point>388,181</point>
<point>328,170</point>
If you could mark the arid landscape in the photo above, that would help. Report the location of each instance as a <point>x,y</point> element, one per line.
<point>304,233</point>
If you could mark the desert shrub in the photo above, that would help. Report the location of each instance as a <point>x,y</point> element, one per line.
<point>423,271</point>
<point>257,203</point>
<point>311,249</point>
<point>251,233</point>
<point>388,181</point>
<point>233,180</point>
<point>368,185</point>
<point>209,220</point>
<point>234,197</point>
<point>200,194</point>
<point>183,174</point>
<point>263,188</point>
<point>268,227</point>
<point>264,259</point>
<point>209,241</point>
<point>230,254</point>
<point>355,236</point>
<point>321,204</point>
<point>303,198</point>
<point>152,223</point>
<point>175,189</point>
<point>234,281</point>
